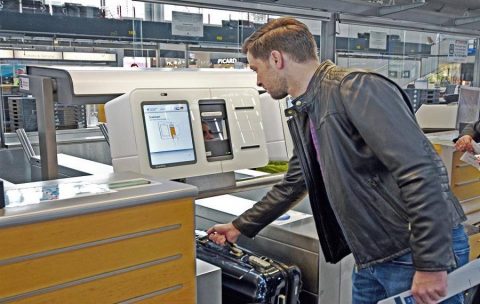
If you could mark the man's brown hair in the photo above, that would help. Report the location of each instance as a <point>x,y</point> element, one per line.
<point>285,35</point>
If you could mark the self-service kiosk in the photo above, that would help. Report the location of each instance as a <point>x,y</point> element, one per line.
<point>162,122</point>
<point>186,128</point>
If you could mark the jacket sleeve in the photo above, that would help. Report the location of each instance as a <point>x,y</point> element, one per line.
<point>473,130</point>
<point>378,111</point>
<point>283,196</point>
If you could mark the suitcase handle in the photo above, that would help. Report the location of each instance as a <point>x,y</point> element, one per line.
<point>232,248</point>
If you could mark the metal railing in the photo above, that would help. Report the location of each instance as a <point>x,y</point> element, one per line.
<point>25,142</point>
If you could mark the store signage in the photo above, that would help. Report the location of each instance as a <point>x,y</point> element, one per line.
<point>24,84</point>
<point>187,24</point>
<point>226,60</point>
<point>6,54</point>
<point>22,54</point>
<point>392,74</point>
<point>83,56</point>
<point>406,74</point>
<point>378,40</point>
<point>457,50</point>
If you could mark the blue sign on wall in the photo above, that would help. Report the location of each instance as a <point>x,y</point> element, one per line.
<point>471,51</point>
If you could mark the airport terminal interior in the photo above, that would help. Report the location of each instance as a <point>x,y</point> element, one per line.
<point>128,128</point>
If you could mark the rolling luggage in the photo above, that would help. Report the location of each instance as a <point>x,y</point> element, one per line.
<point>248,278</point>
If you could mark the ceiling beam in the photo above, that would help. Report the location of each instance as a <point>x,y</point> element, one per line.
<point>253,6</point>
<point>392,9</point>
<point>407,25</point>
<point>361,16</point>
<point>466,20</point>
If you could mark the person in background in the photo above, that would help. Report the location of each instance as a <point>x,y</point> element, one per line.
<point>376,186</point>
<point>207,132</point>
<point>469,134</point>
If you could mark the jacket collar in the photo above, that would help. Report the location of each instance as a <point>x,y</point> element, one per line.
<point>302,102</point>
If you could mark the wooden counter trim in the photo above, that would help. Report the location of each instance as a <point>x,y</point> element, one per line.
<point>471,205</point>
<point>466,191</point>
<point>461,171</point>
<point>89,279</point>
<point>87,245</point>
<point>179,296</point>
<point>83,263</point>
<point>152,294</point>
<point>461,174</point>
<point>466,201</point>
<point>468,182</point>
<point>474,241</point>
<point>70,231</point>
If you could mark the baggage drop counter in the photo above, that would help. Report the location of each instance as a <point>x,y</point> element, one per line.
<point>98,239</point>
<point>464,178</point>
<point>464,181</point>
<point>295,242</point>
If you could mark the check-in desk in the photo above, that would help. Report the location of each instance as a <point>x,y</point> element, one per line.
<point>464,181</point>
<point>120,238</point>
<point>293,243</point>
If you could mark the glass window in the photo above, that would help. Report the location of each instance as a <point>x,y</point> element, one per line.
<point>422,59</point>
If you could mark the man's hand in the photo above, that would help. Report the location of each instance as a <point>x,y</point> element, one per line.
<point>223,232</point>
<point>429,287</point>
<point>464,143</point>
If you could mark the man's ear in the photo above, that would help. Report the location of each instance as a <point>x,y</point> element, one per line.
<point>277,59</point>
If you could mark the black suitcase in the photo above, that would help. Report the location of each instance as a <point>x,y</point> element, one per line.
<point>248,278</point>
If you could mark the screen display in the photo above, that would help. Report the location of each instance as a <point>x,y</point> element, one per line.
<point>168,132</point>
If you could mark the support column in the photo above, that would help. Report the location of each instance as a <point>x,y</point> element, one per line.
<point>42,90</point>
<point>476,66</point>
<point>328,38</point>
<point>148,11</point>
<point>120,55</point>
<point>154,12</point>
<point>2,122</point>
<point>187,55</point>
<point>157,56</point>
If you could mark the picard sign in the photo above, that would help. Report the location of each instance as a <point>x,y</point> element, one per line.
<point>226,60</point>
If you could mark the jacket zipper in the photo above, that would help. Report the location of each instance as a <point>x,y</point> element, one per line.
<point>297,139</point>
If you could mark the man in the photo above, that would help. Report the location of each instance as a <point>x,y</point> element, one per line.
<point>469,134</point>
<point>376,186</point>
<point>207,132</point>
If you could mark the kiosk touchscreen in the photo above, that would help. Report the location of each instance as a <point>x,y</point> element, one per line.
<point>168,132</point>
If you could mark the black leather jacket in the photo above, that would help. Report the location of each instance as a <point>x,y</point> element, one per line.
<point>377,189</point>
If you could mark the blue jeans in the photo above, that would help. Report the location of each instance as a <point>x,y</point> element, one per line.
<point>384,280</point>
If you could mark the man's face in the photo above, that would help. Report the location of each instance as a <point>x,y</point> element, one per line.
<point>269,77</point>
<point>207,133</point>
